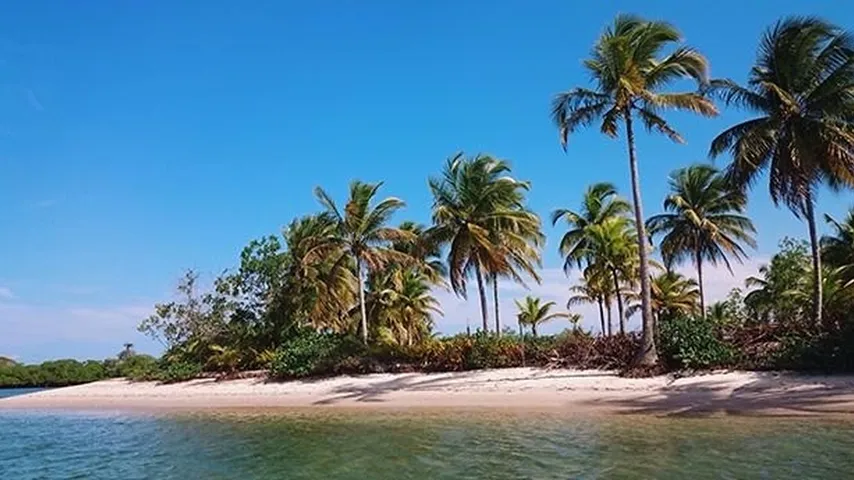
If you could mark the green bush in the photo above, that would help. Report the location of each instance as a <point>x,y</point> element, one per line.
<point>173,372</point>
<point>693,343</point>
<point>823,352</point>
<point>492,351</point>
<point>313,353</point>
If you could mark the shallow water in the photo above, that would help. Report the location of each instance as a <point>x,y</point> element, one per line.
<point>373,445</point>
<point>11,392</point>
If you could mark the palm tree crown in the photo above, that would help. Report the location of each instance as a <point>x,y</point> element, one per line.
<point>800,89</point>
<point>705,221</point>
<point>533,312</point>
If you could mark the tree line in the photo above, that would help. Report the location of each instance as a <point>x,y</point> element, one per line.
<point>348,270</point>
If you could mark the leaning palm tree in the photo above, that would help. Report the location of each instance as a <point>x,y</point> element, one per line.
<point>705,221</point>
<point>360,234</point>
<point>800,90</point>
<point>534,313</point>
<point>477,214</point>
<point>631,71</point>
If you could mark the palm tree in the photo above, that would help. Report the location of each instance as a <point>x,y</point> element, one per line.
<point>477,212</point>
<point>630,71</point>
<point>587,241</point>
<point>672,294</point>
<point>590,291</point>
<point>405,307</point>
<point>800,90</point>
<point>534,313</point>
<point>361,235</point>
<point>838,249</point>
<point>705,221</point>
<point>613,247</point>
<point>318,289</point>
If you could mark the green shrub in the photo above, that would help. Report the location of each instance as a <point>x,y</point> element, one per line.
<point>491,351</point>
<point>693,343</point>
<point>174,372</point>
<point>823,352</point>
<point>313,353</point>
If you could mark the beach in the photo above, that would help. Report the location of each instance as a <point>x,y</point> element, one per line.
<point>570,391</point>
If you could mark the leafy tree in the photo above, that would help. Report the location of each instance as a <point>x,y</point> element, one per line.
<point>631,72</point>
<point>767,298</point>
<point>672,295</point>
<point>704,223</point>
<point>360,234</point>
<point>800,90</point>
<point>533,312</point>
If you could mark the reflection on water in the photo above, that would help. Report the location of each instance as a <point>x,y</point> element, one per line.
<point>371,445</point>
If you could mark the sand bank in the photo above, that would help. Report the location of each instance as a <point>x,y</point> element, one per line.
<point>572,391</point>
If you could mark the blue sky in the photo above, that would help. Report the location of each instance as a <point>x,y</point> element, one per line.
<point>138,139</point>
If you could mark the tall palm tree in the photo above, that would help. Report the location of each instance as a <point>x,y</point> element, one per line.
<point>705,221</point>
<point>631,70</point>
<point>800,91</point>
<point>587,242</point>
<point>533,312</point>
<point>477,213</point>
<point>361,235</point>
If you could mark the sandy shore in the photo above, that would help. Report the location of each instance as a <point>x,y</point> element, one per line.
<point>571,391</point>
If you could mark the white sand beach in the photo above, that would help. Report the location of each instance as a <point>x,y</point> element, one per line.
<point>571,391</point>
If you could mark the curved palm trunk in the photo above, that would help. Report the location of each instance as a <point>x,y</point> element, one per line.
<point>619,301</point>
<point>817,294</point>
<point>495,301</point>
<point>482,292</point>
<point>647,354</point>
<point>364,322</point>
<point>700,284</point>
<point>534,329</point>
<point>601,315</point>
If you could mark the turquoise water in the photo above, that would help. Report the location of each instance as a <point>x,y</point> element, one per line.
<point>361,445</point>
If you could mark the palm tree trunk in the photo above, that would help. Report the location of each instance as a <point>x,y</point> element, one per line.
<point>601,315</point>
<point>534,329</point>
<point>647,354</point>
<point>482,292</point>
<point>817,294</point>
<point>495,301</point>
<point>619,301</point>
<point>700,284</point>
<point>608,307</point>
<point>364,323</point>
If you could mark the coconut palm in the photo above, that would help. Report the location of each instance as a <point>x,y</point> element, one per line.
<point>405,307</point>
<point>533,312</point>
<point>672,294</point>
<point>837,249</point>
<point>704,223</point>
<point>318,290</point>
<point>631,72</point>
<point>591,290</point>
<point>596,234</point>
<point>360,235</point>
<point>477,213</point>
<point>800,90</point>
<point>599,204</point>
<point>613,247</point>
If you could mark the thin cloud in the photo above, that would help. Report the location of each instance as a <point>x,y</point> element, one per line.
<point>6,292</point>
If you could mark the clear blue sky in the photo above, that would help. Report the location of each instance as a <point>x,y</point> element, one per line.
<point>138,139</point>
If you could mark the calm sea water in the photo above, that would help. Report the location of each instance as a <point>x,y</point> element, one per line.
<point>365,446</point>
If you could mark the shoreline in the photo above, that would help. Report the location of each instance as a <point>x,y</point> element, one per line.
<point>577,392</point>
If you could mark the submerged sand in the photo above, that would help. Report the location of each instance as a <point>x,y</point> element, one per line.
<point>570,391</point>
